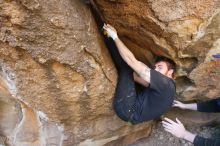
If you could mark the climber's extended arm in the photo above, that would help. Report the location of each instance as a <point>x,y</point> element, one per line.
<point>140,68</point>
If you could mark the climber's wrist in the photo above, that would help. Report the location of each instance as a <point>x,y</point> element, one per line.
<point>114,36</point>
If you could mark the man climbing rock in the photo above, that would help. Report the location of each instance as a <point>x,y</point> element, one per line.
<point>156,98</point>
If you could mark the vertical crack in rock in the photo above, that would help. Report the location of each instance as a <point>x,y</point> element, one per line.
<point>100,65</point>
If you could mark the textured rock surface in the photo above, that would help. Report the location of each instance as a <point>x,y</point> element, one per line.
<point>57,79</point>
<point>186,31</point>
<point>54,61</point>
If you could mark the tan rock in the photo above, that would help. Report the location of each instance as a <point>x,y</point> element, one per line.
<point>55,63</point>
<point>57,77</point>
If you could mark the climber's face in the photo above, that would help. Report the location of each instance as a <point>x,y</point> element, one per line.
<point>162,67</point>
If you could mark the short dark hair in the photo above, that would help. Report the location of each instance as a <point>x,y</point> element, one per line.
<point>170,63</point>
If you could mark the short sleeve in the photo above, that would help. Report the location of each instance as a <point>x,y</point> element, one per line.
<point>158,81</point>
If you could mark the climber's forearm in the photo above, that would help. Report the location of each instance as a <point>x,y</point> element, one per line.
<point>140,68</point>
<point>125,53</point>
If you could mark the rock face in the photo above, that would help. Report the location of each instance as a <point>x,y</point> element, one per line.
<point>186,31</point>
<point>57,79</point>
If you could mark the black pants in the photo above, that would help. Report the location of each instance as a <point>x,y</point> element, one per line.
<point>125,94</point>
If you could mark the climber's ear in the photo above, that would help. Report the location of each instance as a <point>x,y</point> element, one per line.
<point>170,73</point>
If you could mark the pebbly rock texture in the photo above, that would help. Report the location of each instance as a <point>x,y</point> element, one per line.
<point>57,79</point>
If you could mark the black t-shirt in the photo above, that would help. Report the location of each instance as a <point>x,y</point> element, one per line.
<point>156,99</point>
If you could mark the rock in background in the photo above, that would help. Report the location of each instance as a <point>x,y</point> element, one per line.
<point>57,79</point>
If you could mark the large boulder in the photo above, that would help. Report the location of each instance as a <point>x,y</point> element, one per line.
<point>58,76</point>
<point>57,79</point>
